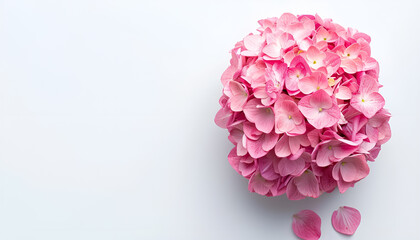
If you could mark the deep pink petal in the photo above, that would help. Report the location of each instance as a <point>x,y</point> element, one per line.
<point>343,185</point>
<point>292,191</point>
<point>265,165</point>
<point>345,220</point>
<point>258,184</point>
<point>289,167</point>
<point>327,183</point>
<point>307,184</point>
<point>254,147</point>
<point>307,225</point>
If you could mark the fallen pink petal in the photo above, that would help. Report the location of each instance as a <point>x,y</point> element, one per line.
<point>346,220</point>
<point>307,225</point>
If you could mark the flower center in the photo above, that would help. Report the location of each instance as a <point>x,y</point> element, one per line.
<point>343,163</point>
<point>317,88</point>
<point>325,39</point>
<point>314,62</point>
<point>290,116</point>
<point>363,100</point>
<point>348,54</point>
<point>297,76</point>
<point>320,109</point>
<point>329,147</point>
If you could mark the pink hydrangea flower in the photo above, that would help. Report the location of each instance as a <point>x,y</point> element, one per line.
<point>302,106</point>
<point>288,118</point>
<point>320,109</point>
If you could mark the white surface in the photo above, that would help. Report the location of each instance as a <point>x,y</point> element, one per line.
<point>106,122</point>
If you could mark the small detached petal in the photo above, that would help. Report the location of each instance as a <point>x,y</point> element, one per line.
<point>307,225</point>
<point>345,220</point>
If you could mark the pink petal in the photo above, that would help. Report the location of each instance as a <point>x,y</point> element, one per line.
<point>307,225</point>
<point>354,168</point>
<point>270,141</point>
<point>251,132</point>
<point>239,96</point>
<point>307,184</point>
<point>343,186</point>
<point>348,65</point>
<point>289,167</point>
<point>308,85</point>
<point>301,30</point>
<point>327,183</point>
<point>332,62</point>
<point>384,133</point>
<point>320,99</point>
<point>294,143</point>
<point>285,20</point>
<point>345,220</point>
<point>369,104</point>
<point>282,148</point>
<point>253,42</point>
<point>313,54</point>
<point>247,168</point>
<point>352,51</point>
<point>255,147</point>
<point>265,165</point>
<point>313,83</point>
<point>273,50</point>
<point>292,192</point>
<point>286,40</point>
<point>263,117</point>
<point>258,184</point>
<point>323,154</point>
<point>368,84</point>
<point>223,117</point>
<point>320,110</point>
<point>322,35</point>
<point>343,93</point>
<point>287,116</point>
<point>234,159</point>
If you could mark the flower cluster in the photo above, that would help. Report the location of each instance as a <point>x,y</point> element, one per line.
<point>301,104</point>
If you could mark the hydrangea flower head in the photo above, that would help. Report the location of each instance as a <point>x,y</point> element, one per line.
<point>302,106</point>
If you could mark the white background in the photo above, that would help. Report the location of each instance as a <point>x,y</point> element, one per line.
<point>107,132</point>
